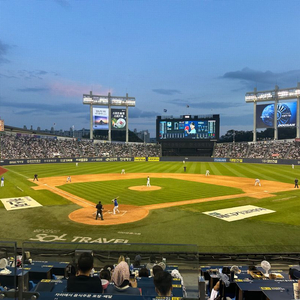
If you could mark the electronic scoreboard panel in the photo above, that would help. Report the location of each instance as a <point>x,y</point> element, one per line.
<point>188,127</point>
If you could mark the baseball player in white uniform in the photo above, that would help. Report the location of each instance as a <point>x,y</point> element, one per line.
<point>69,179</point>
<point>148,181</point>
<point>2,181</point>
<point>123,171</point>
<point>207,173</point>
<point>257,182</point>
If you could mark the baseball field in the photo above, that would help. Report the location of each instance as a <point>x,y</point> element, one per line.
<point>179,207</point>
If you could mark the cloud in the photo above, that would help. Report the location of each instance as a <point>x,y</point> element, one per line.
<point>3,51</point>
<point>137,113</point>
<point>31,108</point>
<point>166,91</point>
<point>28,74</point>
<point>74,89</point>
<point>33,90</point>
<point>236,121</point>
<point>7,76</point>
<point>204,104</point>
<point>35,74</point>
<point>267,79</point>
<point>63,3</point>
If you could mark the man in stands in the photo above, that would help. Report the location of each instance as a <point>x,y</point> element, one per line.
<point>82,282</point>
<point>163,284</point>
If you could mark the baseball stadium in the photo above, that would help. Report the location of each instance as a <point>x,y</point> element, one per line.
<point>187,199</point>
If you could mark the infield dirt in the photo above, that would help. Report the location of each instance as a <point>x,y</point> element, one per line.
<point>131,213</point>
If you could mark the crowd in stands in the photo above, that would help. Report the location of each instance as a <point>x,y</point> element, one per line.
<point>121,278</point>
<point>265,149</point>
<point>32,147</point>
<point>155,278</point>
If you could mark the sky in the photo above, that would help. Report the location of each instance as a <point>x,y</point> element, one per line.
<point>168,54</point>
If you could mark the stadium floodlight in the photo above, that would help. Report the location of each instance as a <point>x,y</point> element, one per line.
<point>108,100</point>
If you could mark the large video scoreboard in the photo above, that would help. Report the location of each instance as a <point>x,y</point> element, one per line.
<point>188,127</point>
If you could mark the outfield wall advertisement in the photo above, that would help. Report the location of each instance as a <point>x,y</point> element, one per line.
<point>286,115</point>
<point>7,162</point>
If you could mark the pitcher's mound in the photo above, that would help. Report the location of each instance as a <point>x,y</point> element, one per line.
<point>144,188</point>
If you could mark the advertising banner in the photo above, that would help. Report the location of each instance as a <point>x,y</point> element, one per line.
<point>153,158</point>
<point>100,118</point>
<point>19,203</point>
<point>286,115</point>
<point>238,213</point>
<point>140,159</point>
<point>118,119</point>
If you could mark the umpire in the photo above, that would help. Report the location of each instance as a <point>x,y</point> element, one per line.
<point>99,210</point>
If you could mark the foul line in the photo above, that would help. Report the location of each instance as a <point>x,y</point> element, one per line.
<point>59,192</point>
<point>19,174</point>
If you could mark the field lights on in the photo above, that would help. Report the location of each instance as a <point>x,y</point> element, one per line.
<point>105,100</point>
<point>290,93</point>
<point>272,95</point>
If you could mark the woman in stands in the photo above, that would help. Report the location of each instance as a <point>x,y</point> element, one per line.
<point>121,281</point>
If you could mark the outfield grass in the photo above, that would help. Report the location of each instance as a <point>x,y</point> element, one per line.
<point>187,224</point>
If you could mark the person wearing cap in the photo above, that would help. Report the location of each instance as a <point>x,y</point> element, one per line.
<point>137,261</point>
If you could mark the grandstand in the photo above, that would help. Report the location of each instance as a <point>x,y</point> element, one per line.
<point>281,149</point>
<point>200,264</point>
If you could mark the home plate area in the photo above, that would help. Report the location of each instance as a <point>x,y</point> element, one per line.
<point>121,213</point>
<point>128,214</point>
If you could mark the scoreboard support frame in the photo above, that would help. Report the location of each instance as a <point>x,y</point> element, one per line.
<point>108,101</point>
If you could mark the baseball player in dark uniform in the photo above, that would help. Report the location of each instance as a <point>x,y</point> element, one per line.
<point>35,177</point>
<point>99,207</point>
<point>296,183</point>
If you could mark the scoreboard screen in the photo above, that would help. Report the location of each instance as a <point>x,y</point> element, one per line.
<point>188,127</point>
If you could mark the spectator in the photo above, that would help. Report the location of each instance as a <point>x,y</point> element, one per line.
<point>156,269</point>
<point>121,283</point>
<point>105,278</point>
<point>163,284</point>
<point>152,262</point>
<point>137,261</point>
<point>143,272</point>
<point>121,258</point>
<point>83,282</point>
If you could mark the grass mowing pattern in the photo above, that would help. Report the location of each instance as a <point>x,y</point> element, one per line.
<point>184,225</point>
<point>173,190</point>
